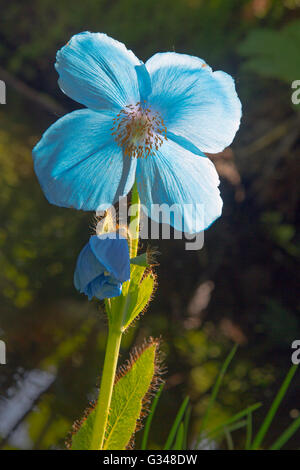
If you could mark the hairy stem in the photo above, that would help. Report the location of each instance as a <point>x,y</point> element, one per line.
<point>116,322</point>
<point>134,225</point>
<point>106,388</point>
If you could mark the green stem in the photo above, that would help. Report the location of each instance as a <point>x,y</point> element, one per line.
<point>115,324</point>
<point>106,388</point>
<point>134,225</point>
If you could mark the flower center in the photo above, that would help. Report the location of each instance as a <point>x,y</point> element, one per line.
<point>139,130</point>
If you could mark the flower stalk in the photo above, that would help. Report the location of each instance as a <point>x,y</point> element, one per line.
<point>107,383</point>
<point>134,225</point>
<point>115,331</point>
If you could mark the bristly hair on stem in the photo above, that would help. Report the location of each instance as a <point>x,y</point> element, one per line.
<point>157,380</point>
<point>159,371</point>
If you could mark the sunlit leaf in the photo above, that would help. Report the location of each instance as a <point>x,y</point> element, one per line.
<point>130,395</point>
<point>135,296</point>
<point>138,298</point>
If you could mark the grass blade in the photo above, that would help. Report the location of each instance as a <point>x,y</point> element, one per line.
<point>186,428</point>
<point>233,427</point>
<point>216,388</point>
<point>249,431</point>
<point>234,418</point>
<point>150,417</point>
<point>229,439</point>
<point>179,438</point>
<point>273,409</point>
<point>286,435</point>
<point>176,423</point>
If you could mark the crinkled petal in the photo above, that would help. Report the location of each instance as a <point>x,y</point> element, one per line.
<point>195,103</point>
<point>102,265</point>
<point>87,269</point>
<point>103,288</point>
<point>180,185</point>
<point>111,249</point>
<point>98,71</point>
<point>79,165</point>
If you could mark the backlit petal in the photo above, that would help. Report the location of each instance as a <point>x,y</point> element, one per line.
<point>182,186</point>
<point>80,165</point>
<point>195,103</point>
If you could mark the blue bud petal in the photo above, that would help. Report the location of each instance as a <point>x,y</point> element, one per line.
<point>112,252</point>
<point>103,288</point>
<point>102,265</point>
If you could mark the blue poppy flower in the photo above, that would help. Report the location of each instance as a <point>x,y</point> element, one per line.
<point>146,122</point>
<point>102,266</point>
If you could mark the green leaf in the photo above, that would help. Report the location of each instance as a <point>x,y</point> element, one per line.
<point>229,440</point>
<point>128,397</point>
<point>186,427</point>
<point>221,433</point>
<point>135,296</point>
<point>136,274</point>
<point>176,423</point>
<point>273,409</point>
<point>140,260</point>
<point>127,402</point>
<point>150,417</point>
<point>83,430</point>
<point>286,435</point>
<point>216,388</point>
<point>233,419</point>
<point>138,298</point>
<point>272,53</point>
<point>179,438</point>
<point>249,431</point>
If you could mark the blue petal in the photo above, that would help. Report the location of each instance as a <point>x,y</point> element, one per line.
<point>112,252</point>
<point>98,71</point>
<point>177,180</point>
<point>195,103</point>
<point>144,81</point>
<point>87,269</point>
<point>102,265</point>
<point>79,165</point>
<point>103,288</point>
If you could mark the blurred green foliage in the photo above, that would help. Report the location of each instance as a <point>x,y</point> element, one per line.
<point>223,434</point>
<point>274,53</point>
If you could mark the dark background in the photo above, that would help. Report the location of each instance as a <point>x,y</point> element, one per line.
<point>241,287</point>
